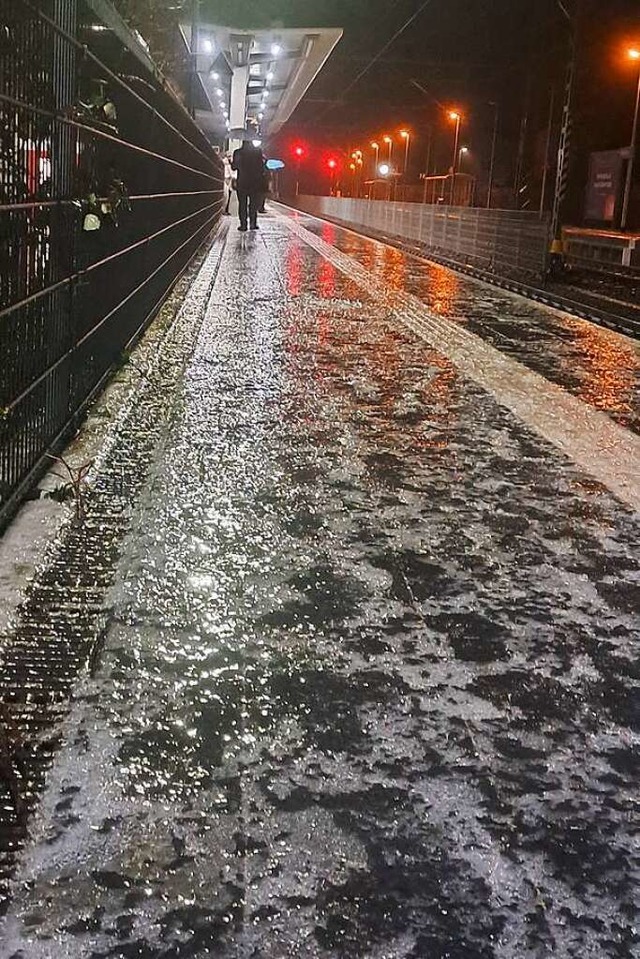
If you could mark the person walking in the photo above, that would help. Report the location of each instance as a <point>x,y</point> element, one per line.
<point>266,189</point>
<point>229,185</point>
<point>248,162</point>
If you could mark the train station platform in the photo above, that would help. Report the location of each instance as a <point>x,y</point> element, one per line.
<point>342,659</point>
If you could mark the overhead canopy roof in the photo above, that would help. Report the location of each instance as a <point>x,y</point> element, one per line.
<point>255,74</point>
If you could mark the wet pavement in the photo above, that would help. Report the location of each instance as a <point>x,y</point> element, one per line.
<point>367,683</point>
<point>594,364</point>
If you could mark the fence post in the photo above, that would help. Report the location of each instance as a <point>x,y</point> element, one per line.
<point>62,323</point>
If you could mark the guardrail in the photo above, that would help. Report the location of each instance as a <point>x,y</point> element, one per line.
<point>497,241</point>
<point>107,189</point>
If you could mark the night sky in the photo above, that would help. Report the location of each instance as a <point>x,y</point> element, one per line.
<point>465,53</point>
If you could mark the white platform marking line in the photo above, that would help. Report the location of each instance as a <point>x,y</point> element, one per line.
<point>603,449</point>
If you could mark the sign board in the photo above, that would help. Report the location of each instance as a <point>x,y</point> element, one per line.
<point>275,165</point>
<point>604,186</point>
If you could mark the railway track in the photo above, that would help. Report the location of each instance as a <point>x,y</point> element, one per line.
<point>612,312</point>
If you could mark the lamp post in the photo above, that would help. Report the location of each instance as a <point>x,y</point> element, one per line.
<point>356,156</point>
<point>389,142</point>
<point>457,119</point>
<point>427,168</point>
<point>375,146</point>
<point>359,168</point>
<point>633,54</point>
<point>333,166</point>
<point>461,153</point>
<point>299,151</point>
<point>406,136</point>
<point>494,142</point>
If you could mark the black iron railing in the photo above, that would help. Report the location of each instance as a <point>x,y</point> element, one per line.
<point>107,189</point>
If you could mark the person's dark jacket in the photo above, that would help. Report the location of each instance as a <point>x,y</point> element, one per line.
<point>248,161</point>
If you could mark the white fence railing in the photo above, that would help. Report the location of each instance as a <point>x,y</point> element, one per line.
<point>498,241</point>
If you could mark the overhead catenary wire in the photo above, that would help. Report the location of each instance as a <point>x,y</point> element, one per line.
<point>407,23</point>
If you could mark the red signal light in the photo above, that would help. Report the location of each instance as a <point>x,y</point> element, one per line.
<point>299,152</point>
<point>332,164</point>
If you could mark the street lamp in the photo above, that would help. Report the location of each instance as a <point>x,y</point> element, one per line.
<point>375,146</point>
<point>494,141</point>
<point>456,118</point>
<point>389,142</point>
<point>333,166</point>
<point>633,54</point>
<point>299,154</point>
<point>406,136</point>
<point>359,168</point>
<point>461,153</point>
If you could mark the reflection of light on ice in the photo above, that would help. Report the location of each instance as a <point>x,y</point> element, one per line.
<point>605,451</point>
<point>445,287</point>
<point>201,581</point>
<point>611,364</point>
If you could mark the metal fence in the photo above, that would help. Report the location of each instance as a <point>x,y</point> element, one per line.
<point>433,189</point>
<point>498,241</point>
<point>107,189</point>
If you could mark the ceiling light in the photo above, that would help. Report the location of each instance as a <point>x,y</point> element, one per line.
<point>276,49</point>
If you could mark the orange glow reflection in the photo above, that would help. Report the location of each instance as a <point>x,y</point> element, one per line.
<point>611,367</point>
<point>394,271</point>
<point>445,289</point>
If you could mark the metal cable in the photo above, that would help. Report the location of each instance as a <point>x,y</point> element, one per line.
<point>414,16</point>
<point>114,76</point>
<point>56,115</point>
<point>46,204</point>
<point>73,277</point>
<point>53,366</point>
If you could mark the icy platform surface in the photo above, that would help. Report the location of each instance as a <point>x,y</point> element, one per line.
<point>369,686</point>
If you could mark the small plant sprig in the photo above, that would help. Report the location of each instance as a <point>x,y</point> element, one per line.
<point>74,482</point>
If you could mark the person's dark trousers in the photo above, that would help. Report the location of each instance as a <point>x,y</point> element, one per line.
<point>249,203</point>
